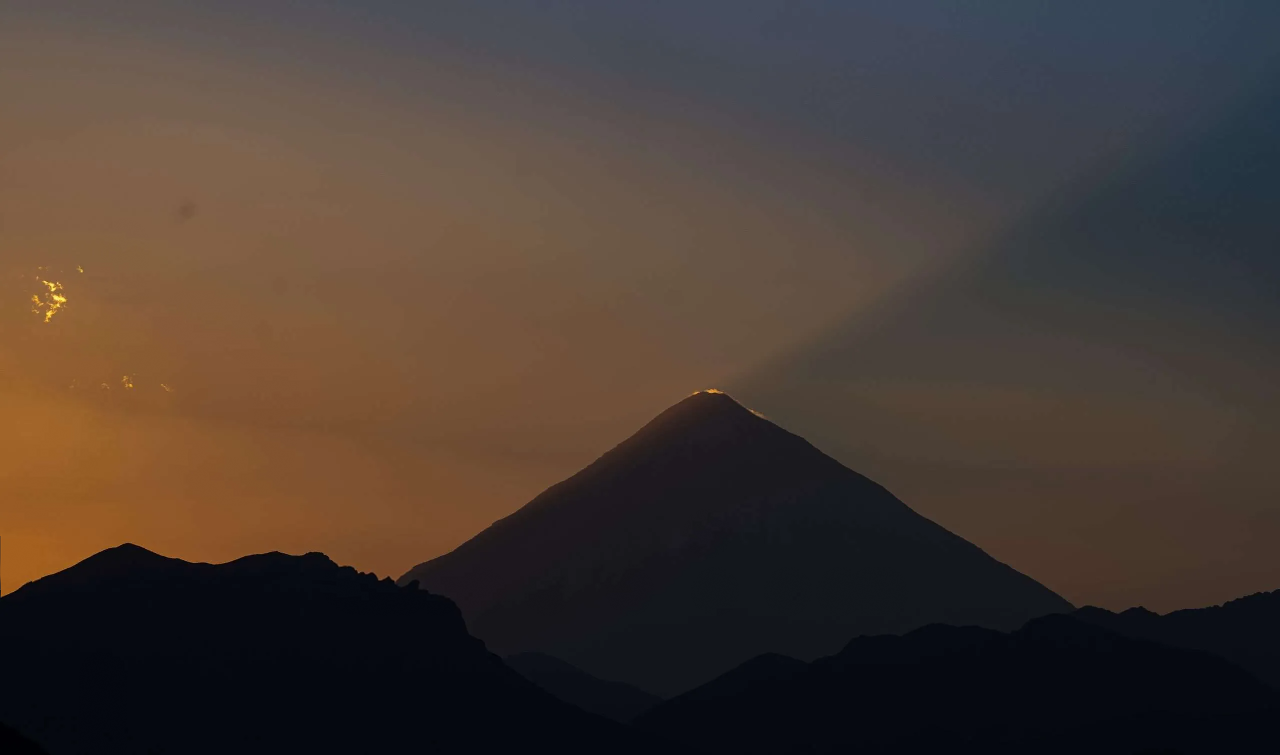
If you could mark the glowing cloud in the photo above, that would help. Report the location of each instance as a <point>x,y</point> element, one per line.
<point>48,302</point>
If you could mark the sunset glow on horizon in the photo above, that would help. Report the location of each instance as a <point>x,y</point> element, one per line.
<point>366,278</point>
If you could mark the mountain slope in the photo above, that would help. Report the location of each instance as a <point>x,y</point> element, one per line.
<point>613,700</point>
<point>1056,685</point>
<point>1243,631</point>
<point>132,652</point>
<point>708,537</point>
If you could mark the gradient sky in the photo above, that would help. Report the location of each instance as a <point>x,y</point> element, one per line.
<point>380,271</point>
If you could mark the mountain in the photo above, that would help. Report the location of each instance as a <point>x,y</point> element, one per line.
<point>613,700</point>
<point>711,536</point>
<point>1243,631</point>
<point>132,652</point>
<point>1056,685</point>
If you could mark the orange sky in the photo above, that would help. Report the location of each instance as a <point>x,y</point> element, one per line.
<point>383,323</point>
<point>394,292</point>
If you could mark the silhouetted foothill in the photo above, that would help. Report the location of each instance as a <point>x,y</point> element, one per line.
<point>711,536</point>
<point>131,652</point>
<point>1056,685</point>
<point>1244,631</point>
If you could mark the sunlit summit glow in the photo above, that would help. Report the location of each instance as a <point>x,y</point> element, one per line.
<point>718,392</point>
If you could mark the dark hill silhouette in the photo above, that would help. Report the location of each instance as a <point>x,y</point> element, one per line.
<point>1056,685</point>
<point>708,537</point>
<point>613,700</point>
<point>13,743</point>
<point>131,652</point>
<point>1244,631</point>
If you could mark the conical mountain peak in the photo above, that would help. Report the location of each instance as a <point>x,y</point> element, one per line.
<point>710,536</point>
<point>707,417</point>
<point>708,405</point>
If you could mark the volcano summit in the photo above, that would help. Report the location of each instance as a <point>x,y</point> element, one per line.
<point>710,536</point>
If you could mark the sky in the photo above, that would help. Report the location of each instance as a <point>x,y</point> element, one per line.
<point>363,277</point>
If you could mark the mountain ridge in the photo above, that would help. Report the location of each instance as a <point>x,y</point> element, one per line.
<point>1057,684</point>
<point>129,651</point>
<point>1242,630</point>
